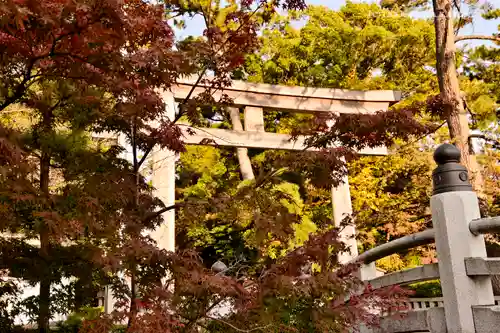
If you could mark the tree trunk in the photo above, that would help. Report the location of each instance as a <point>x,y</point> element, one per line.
<point>493,251</point>
<point>45,281</point>
<point>133,277</point>
<point>79,295</point>
<point>449,87</point>
<point>457,121</point>
<point>242,153</point>
<point>45,278</point>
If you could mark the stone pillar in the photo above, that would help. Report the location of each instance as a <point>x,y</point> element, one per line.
<point>253,119</point>
<point>109,300</point>
<point>367,272</point>
<point>453,206</point>
<point>342,206</point>
<point>163,180</point>
<point>242,153</point>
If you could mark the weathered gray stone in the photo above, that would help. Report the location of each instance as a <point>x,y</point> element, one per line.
<point>451,214</point>
<point>163,179</point>
<point>487,319</point>
<point>425,321</point>
<point>411,275</point>
<point>342,206</point>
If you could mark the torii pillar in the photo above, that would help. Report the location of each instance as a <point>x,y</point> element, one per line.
<point>342,207</point>
<point>163,180</point>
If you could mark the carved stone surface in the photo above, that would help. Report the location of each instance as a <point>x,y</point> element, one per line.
<point>450,175</point>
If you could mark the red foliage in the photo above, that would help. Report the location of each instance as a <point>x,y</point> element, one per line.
<point>99,65</point>
<point>359,130</point>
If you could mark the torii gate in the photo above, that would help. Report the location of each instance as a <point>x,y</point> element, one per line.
<point>256,99</point>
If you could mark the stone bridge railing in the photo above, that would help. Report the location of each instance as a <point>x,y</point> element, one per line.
<point>416,304</point>
<point>468,304</point>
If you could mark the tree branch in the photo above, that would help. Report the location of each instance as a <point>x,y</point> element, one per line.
<point>434,130</point>
<point>477,37</point>
<point>154,215</point>
<point>143,158</point>
<point>493,141</point>
<point>194,321</point>
<point>21,87</point>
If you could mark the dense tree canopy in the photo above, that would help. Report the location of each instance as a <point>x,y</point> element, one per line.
<point>76,215</point>
<point>361,46</point>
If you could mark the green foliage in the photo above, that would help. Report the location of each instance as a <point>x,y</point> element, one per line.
<point>92,66</point>
<point>366,46</point>
<point>205,172</point>
<point>426,289</point>
<point>205,165</point>
<point>391,194</point>
<point>90,209</point>
<point>73,322</point>
<point>361,46</point>
<point>481,82</point>
<point>405,5</point>
<point>8,291</point>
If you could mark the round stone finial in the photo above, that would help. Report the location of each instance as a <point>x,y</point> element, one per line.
<point>447,153</point>
<point>219,267</point>
<point>450,175</point>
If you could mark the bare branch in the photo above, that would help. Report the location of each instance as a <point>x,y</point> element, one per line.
<point>493,141</point>
<point>477,37</point>
<point>434,130</point>
<point>194,321</point>
<point>146,153</point>
<point>161,211</point>
<point>21,87</point>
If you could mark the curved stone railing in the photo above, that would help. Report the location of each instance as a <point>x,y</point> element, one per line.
<point>412,275</point>
<point>485,225</point>
<point>404,277</point>
<point>427,314</point>
<point>463,270</point>
<point>474,266</point>
<point>407,276</point>
<point>423,314</point>
<point>400,244</point>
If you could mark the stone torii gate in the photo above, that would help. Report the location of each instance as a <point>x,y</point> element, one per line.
<point>255,99</point>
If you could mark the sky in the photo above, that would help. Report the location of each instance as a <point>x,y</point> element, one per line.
<point>480,26</point>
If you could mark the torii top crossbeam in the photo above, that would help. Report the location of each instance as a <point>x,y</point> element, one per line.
<point>256,98</point>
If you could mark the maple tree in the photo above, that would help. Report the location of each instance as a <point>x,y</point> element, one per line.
<point>75,210</point>
<point>72,62</point>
